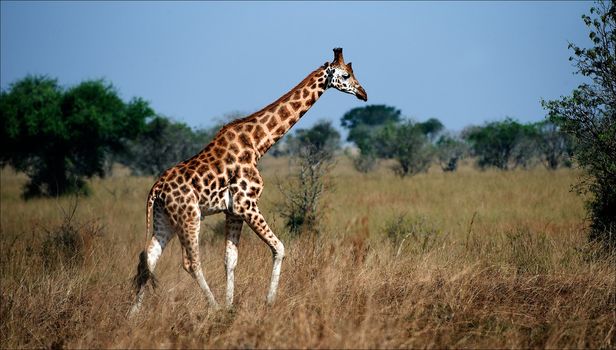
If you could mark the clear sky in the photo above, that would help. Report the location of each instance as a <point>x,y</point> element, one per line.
<point>461,62</point>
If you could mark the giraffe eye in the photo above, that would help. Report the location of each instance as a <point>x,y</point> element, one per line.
<point>345,76</point>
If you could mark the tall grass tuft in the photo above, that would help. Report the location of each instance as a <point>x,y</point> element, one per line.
<point>412,235</point>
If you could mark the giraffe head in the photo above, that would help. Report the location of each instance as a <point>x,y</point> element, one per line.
<point>341,77</point>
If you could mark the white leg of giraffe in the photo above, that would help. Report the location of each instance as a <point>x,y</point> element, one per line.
<point>206,289</point>
<point>257,223</point>
<point>233,228</point>
<point>160,238</point>
<point>278,255</point>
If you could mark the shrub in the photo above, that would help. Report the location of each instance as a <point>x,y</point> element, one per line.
<point>365,163</point>
<point>67,244</point>
<point>301,206</point>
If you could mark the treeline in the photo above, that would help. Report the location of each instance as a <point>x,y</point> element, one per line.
<point>61,136</point>
<point>379,132</point>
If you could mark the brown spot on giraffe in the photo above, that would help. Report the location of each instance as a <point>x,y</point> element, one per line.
<point>222,142</point>
<point>245,157</point>
<point>296,105</point>
<point>297,94</point>
<point>217,166</point>
<point>280,131</point>
<point>245,140</point>
<point>273,123</point>
<point>259,133</point>
<point>283,112</point>
<point>233,148</point>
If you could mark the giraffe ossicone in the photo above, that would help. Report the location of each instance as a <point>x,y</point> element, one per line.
<point>223,177</point>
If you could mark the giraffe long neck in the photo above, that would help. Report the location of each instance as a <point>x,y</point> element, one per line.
<point>277,118</point>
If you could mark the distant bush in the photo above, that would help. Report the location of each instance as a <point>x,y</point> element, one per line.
<point>408,145</point>
<point>162,144</point>
<point>450,150</point>
<point>502,144</point>
<point>555,148</point>
<point>365,163</point>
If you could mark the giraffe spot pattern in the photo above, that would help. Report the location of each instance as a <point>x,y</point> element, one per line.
<point>200,185</point>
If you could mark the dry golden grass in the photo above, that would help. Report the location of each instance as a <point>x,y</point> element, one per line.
<point>495,259</point>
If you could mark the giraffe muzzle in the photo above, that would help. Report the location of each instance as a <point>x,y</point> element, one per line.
<point>361,94</point>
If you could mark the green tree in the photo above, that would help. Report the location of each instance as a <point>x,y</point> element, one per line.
<point>588,115</point>
<point>322,138</point>
<point>431,128</point>
<point>449,150</point>
<point>502,144</point>
<point>59,138</point>
<point>554,146</point>
<point>406,143</point>
<point>364,122</point>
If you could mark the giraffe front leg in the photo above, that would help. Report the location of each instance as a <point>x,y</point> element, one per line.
<point>255,220</point>
<point>233,229</point>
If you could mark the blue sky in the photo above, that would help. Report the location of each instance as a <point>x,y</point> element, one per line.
<point>461,62</point>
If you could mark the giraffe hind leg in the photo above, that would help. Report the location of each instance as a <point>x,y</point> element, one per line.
<point>233,229</point>
<point>149,257</point>
<point>188,234</point>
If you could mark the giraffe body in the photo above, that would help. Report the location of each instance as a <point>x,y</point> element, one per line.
<point>223,177</point>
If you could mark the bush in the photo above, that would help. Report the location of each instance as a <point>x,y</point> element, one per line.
<point>408,145</point>
<point>162,144</point>
<point>301,206</point>
<point>67,244</point>
<point>365,163</point>
<point>449,150</point>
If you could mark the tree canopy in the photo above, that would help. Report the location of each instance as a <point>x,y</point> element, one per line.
<point>501,143</point>
<point>59,137</point>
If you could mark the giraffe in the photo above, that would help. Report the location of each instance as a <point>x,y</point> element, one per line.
<point>223,177</point>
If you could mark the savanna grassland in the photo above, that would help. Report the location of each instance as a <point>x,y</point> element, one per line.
<point>462,260</point>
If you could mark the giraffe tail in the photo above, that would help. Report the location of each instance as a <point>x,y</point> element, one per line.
<point>144,274</point>
<point>149,208</point>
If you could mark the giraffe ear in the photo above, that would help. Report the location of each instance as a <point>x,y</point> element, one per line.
<point>350,65</point>
<point>338,56</point>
